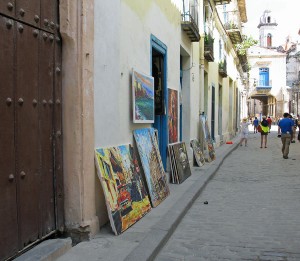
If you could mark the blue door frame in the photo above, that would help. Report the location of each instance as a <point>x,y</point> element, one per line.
<point>161,121</point>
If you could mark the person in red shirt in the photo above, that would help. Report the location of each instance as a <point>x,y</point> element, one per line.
<point>269,120</point>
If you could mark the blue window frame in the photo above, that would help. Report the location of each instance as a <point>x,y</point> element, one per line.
<point>264,77</point>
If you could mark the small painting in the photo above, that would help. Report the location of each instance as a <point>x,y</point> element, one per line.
<point>152,165</point>
<point>126,197</point>
<point>173,115</point>
<point>198,154</point>
<point>143,98</point>
<point>209,151</point>
<point>181,163</point>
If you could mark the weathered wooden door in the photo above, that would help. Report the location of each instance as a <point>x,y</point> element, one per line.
<point>31,200</point>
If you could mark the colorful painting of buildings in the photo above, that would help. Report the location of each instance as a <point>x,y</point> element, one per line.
<point>152,165</point>
<point>126,197</point>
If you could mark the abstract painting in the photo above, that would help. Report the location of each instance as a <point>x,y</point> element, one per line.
<point>173,115</point>
<point>209,151</point>
<point>126,196</point>
<point>198,154</point>
<point>181,160</point>
<point>143,98</point>
<point>152,165</point>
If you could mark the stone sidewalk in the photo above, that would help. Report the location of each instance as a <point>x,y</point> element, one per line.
<point>144,239</point>
<point>252,212</point>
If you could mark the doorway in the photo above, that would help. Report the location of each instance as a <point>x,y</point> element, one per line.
<point>159,72</point>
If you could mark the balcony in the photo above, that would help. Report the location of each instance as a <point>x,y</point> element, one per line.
<point>223,68</point>
<point>209,48</point>
<point>244,62</point>
<point>189,22</point>
<point>233,26</point>
<point>222,2</point>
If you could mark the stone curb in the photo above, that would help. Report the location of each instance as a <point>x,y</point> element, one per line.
<point>150,246</point>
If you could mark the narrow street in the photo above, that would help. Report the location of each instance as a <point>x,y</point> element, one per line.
<point>252,212</point>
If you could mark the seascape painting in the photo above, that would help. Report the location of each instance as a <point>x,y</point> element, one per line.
<point>173,115</point>
<point>152,165</point>
<point>143,98</point>
<point>126,196</point>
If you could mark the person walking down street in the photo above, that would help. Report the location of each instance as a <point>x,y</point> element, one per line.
<point>269,120</point>
<point>244,131</point>
<point>293,129</point>
<point>264,132</point>
<point>255,124</point>
<point>298,125</point>
<point>286,125</point>
<point>278,134</point>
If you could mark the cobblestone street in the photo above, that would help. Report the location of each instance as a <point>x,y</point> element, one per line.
<point>253,209</point>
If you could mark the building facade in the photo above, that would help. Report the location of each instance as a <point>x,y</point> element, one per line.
<point>268,92</point>
<point>186,46</point>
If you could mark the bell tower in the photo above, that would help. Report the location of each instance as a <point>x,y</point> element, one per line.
<point>267,30</point>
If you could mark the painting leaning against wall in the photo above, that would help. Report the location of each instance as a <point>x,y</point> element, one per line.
<point>143,98</point>
<point>209,150</point>
<point>126,197</point>
<point>152,165</point>
<point>198,154</point>
<point>173,115</point>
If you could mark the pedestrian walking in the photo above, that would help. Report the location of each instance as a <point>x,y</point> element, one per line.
<point>298,124</point>
<point>269,120</point>
<point>294,129</point>
<point>279,133</point>
<point>244,131</point>
<point>255,124</point>
<point>286,125</point>
<point>264,132</point>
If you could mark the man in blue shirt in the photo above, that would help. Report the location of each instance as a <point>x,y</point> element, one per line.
<point>286,125</point>
<point>255,124</point>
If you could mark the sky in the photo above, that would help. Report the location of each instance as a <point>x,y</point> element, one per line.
<point>286,13</point>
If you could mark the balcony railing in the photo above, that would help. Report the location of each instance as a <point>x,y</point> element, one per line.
<point>233,26</point>
<point>223,68</point>
<point>222,2</point>
<point>244,62</point>
<point>209,47</point>
<point>189,22</point>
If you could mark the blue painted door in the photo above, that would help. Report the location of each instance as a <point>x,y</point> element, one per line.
<point>159,72</point>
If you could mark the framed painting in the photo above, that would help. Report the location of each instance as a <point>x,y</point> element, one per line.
<point>155,175</point>
<point>142,97</point>
<point>173,174</point>
<point>209,151</point>
<point>180,161</point>
<point>125,195</point>
<point>173,115</point>
<point>198,154</point>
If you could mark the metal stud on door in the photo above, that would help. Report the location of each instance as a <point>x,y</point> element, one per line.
<point>8,207</point>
